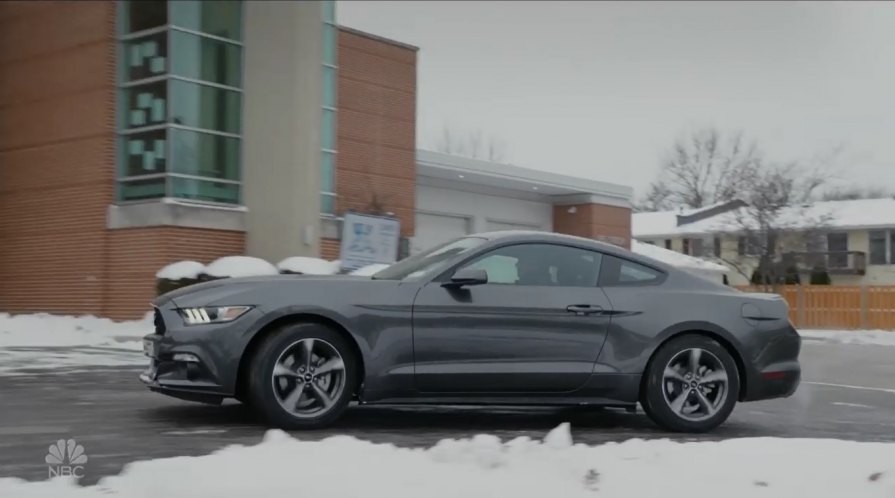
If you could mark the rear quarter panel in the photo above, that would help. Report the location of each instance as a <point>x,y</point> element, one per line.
<point>645,317</point>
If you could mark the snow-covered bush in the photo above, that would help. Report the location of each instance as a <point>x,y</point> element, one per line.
<point>302,265</point>
<point>177,275</point>
<point>238,266</point>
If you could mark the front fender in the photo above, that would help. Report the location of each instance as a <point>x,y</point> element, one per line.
<point>268,317</point>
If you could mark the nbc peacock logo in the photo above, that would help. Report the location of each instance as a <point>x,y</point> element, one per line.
<point>65,458</point>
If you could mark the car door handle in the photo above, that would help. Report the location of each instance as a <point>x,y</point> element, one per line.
<point>584,309</point>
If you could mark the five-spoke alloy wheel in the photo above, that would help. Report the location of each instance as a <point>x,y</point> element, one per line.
<point>302,376</point>
<point>691,384</point>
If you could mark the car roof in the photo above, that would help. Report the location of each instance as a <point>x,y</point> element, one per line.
<point>536,236</point>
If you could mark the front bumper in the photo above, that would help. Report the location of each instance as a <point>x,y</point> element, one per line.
<point>197,362</point>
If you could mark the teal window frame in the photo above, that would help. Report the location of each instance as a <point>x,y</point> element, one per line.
<point>329,113</point>
<point>225,189</point>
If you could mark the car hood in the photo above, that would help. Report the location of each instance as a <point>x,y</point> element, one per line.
<point>214,290</point>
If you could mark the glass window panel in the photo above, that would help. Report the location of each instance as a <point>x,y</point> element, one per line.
<point>201,106</point>
<point>204,190</point>
<point>540,264</point>
<point>220,18</point>
<point>139,16</point>
<point>205,59</point>
<point>329,129</point>
<point>878,247</point>
<point>203,154</point>
<point>892,247</point>
<point>144,105</point>
<point>633,272</point>
<point>329,11</point>
<point>135,190</point>
<point>329,86</point>
<point>143,153</point>
<point>145,57</point>
<point>328,172</point>
<point>327,204</point>
<point>329,44</point>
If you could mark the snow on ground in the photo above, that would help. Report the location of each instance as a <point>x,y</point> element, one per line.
<point>860,337</point>
<point>485,466</point>
<point>369,270</point>
<point>309,266</point>
<point>181,270</point>
<point>240,266</point>
<point>44,341</point>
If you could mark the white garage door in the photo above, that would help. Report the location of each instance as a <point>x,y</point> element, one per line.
<point>434,229</point>
<point>494,226</point>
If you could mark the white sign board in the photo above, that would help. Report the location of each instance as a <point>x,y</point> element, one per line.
<point>368,240</point>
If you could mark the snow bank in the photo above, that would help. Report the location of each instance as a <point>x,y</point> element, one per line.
<point>309,266</point>
<point>860,337</point>
<point>369,270</point>
<point>47,341</point>
<point>485,466</point>
<point>181,270</point>
<point>240,266</point>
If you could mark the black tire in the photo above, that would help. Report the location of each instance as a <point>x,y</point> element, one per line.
<point>262,398</point>
<point>653,397</point>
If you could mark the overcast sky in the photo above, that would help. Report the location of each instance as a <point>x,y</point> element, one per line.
<point>601,89</point>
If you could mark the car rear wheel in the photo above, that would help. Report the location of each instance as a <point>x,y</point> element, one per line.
<point>691,385</point>
<point>302,376</point>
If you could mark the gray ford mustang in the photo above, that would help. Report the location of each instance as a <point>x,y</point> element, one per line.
<point>513,318</point>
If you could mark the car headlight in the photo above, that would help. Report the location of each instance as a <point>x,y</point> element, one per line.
<point>212,314</point>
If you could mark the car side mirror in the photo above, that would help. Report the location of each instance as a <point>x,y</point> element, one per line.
<point>467,276</point>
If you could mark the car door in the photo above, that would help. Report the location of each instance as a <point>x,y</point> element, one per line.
<point>537,325</point>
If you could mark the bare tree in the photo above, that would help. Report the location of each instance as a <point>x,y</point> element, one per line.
<point>778,218</point>
<point>703,169</point>
<point>473,144</point>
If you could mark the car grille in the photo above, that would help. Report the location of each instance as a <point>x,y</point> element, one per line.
<point>159,322</point>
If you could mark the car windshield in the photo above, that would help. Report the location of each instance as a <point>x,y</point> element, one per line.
<point>429,261</point>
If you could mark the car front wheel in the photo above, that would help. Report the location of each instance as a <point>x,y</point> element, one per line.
<point>302,376</point>
<point>692,385</point>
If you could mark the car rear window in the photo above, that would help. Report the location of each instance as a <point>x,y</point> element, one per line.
<point>617,271</point>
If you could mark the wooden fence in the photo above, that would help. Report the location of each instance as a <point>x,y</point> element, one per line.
<point>838,306</point>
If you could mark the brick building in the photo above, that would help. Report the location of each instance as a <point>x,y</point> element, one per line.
<point>135,134</point>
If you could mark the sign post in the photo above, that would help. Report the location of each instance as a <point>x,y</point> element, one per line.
<point>368,240</point>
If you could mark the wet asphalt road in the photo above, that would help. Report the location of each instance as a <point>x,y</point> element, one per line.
<point>118,421</point>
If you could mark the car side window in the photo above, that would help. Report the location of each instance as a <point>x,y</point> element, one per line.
<point>617,271</point>
<point>540,264</point>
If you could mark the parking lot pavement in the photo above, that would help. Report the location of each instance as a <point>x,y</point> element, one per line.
<point>118,421</point>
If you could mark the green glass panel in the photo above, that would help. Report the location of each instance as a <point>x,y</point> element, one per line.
<point>328,172</point>
<point>144,57</point>
<point>219,18</point>
<point>143,105</point>
<point>204,190</point>
<point>329,86</point>
<point>205,59</point>
<point>329,44</point>
<point>144,14</point>
<point>329,11</point>
<point>328,129</point>
<point>143,153</point>
<point>136,190</point>
<point>201,106</point>
<point>203,154</point>
<point>327,204</point>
